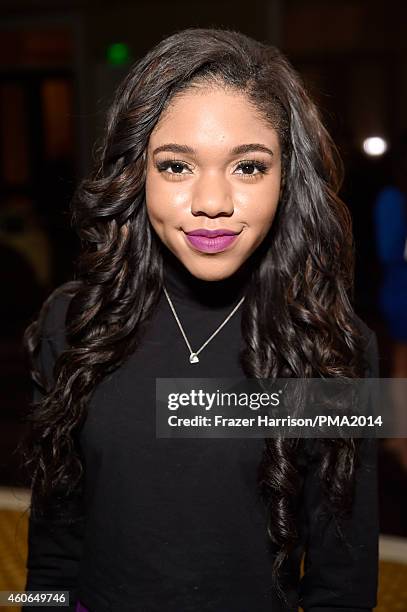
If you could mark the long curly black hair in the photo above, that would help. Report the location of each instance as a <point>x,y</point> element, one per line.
<point>306,271</point>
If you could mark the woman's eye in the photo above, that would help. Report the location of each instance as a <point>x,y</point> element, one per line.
<point>177,167</point>
<point>249,168</point>
<point>254,168</point>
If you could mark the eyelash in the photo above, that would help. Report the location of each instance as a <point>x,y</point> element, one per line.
<point>163,165</point>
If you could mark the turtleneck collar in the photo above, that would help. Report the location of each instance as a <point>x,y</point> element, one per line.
<point>185,288</point>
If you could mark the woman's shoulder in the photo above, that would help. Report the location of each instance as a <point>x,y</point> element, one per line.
<point>53,313</point>
<point>45,338</point>
<point>367,332</point>
<point>312,446</point>
<point>371,352</point>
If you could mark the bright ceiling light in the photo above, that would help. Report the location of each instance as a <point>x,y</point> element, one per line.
<point>374,145</point>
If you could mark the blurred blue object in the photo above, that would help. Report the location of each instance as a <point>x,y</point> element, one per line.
<point>390,219</point>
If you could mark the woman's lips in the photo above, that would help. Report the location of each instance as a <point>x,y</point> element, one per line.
<point>211,245</point>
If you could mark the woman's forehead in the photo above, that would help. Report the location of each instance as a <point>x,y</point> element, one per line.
<point>212,118</point>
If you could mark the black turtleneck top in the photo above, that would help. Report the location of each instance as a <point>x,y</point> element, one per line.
<point>176,525</point>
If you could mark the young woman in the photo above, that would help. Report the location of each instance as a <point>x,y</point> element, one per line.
<point>213,245</point>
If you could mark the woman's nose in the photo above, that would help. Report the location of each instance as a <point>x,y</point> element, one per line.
<point>212,197</point>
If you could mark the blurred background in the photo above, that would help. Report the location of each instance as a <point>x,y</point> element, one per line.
<point>59,64</point>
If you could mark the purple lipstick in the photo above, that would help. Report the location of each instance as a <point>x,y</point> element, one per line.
<point>212,241</point>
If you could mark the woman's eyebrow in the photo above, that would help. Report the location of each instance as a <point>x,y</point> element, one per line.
<point>238,150</point>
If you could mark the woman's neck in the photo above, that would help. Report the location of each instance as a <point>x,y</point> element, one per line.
<point>183,287</point>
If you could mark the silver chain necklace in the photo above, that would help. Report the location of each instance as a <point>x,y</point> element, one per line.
<point>193,357</point>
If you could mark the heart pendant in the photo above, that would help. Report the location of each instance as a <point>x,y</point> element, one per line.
<point>193,358</point>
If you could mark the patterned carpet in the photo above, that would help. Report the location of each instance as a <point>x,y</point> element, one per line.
<point>13,553</point>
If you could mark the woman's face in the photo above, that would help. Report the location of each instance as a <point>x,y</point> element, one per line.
<point>213,163</point>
